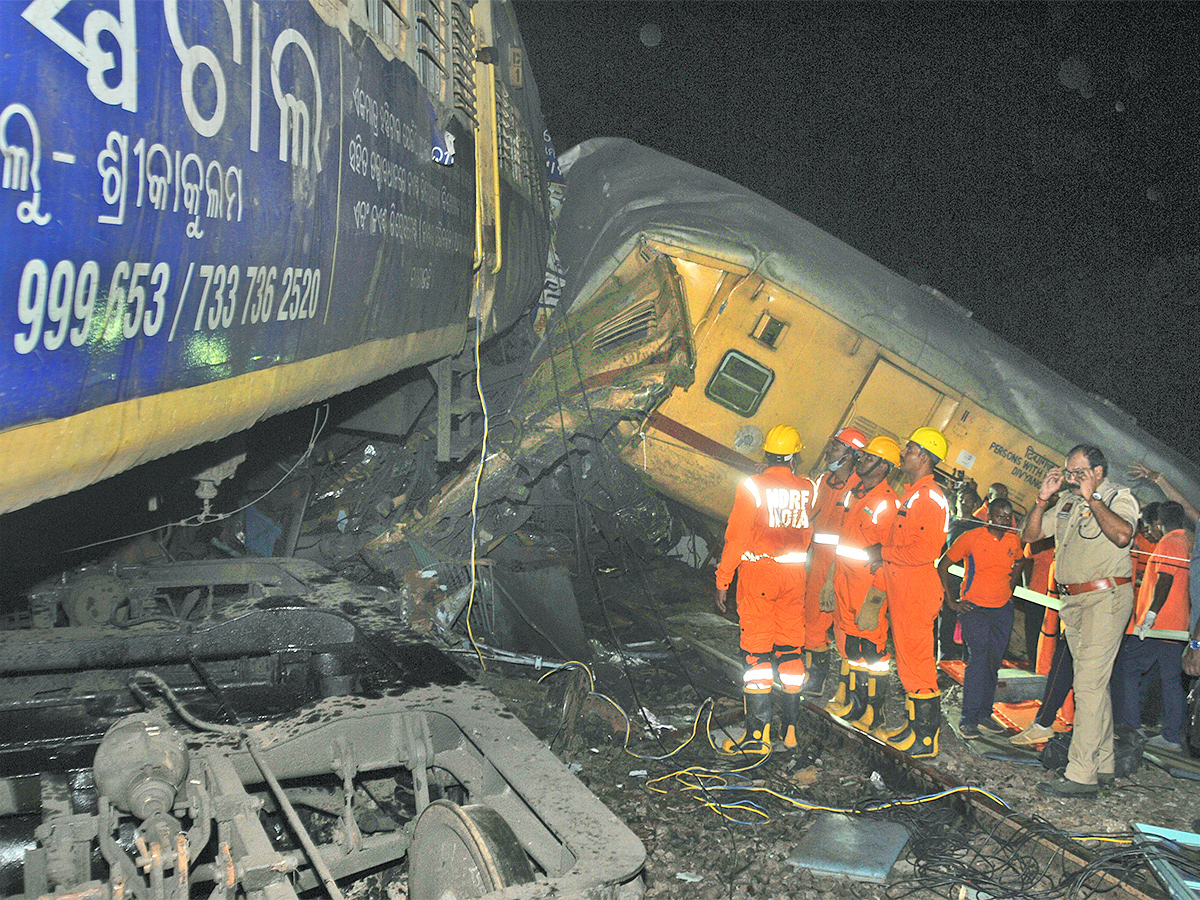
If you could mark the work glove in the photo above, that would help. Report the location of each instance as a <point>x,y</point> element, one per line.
<point>874,557</point>
<point>722,594</point>
<point>828,597</point>
<point>868,614</point>
<point>1147,624</point>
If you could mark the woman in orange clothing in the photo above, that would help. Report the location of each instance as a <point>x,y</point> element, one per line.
<point>991,560</point>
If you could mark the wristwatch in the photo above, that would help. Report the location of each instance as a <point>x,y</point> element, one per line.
<point>1096,495</point>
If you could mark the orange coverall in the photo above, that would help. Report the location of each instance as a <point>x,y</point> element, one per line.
<point>827,526</point>
<point>867,520</point>
<point>766,543</point>
<point>1040,581</point>
<point>913,587</point>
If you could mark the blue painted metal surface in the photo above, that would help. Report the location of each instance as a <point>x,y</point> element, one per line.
<point>194,191</point>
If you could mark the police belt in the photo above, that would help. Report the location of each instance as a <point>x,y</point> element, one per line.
<point>787,558</point>
<point>1086,587</point>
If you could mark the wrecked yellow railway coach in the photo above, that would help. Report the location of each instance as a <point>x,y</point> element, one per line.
<point>789,324</point>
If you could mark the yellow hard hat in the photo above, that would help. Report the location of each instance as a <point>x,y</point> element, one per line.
<point>932,440</point>
<point>885,448</point>
<point>783,440</point>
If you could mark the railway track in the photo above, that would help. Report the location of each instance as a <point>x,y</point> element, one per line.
<point>1061,856</point>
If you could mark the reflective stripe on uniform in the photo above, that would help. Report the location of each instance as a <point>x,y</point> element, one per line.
<point>760,677</point>
<point>857,553</point>
<point>822,538</point>
<point>749,485</point>
<point>800,558</point>
<point>937,497</point>
<point>787,679</point>
<point>787,558</point>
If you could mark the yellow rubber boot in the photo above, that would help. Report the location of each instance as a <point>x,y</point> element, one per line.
<point>920,739</point>
<point>899,732</point>
<point>816,666</point>
<point>756,735</point>
<point>872,716</point>
<point>840,704</point>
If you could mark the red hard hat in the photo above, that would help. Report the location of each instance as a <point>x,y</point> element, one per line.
<point>851,437</point>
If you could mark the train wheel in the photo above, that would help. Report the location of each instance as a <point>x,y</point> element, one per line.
<point>462,852</point>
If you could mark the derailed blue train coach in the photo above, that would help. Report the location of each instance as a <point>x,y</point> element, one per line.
<point>218,210</point>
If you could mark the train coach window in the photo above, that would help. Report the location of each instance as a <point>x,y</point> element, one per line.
<point>769,330</point>
<point>739,383</point>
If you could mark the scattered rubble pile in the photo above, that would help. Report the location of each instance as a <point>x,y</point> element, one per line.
<point>600,570</point>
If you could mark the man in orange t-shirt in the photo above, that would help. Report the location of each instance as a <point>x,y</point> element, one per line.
<point>1162,605</point>
<point>991,560</point>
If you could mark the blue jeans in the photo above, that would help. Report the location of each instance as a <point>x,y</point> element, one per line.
<point>1133,662</point>
<point>985,631</point>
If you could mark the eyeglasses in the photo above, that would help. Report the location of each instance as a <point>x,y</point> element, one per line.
<point>1076,473</point>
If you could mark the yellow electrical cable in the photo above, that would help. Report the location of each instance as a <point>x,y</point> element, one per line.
<point>702,778</point>
<point>475,495</point>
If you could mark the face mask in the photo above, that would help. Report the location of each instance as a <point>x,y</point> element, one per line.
<point>840,464</point>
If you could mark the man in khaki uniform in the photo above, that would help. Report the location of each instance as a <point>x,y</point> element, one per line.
<point>1093,524</point>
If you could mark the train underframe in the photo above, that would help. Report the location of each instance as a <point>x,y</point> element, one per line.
<point>278,748</point>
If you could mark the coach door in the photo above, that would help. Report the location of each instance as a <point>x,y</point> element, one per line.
<point>892,401</point>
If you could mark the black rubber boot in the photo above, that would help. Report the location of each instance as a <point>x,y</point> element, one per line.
<point>856,697</point>
<point>789,712</point>
<point>872,717</point>
<point>839,704</point>
<point>756,735</point>
<point>816,666</point>
<point>921,739</point>
<point>898,733</point>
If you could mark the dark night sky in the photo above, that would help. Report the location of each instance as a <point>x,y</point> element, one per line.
<point>1038,163</point>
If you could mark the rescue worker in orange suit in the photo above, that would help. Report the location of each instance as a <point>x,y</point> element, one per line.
<point>860,620</point>
<point>766,543</point>
<point>914,592</point>
<point>840,458</point>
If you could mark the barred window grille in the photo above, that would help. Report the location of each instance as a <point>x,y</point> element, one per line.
<point>386,19</point>
<point>633,324</point>
<point>463,41</point>
<point>433,47</point>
